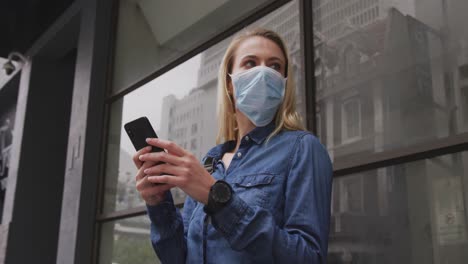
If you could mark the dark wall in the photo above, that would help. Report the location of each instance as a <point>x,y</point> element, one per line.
<point>40,177</point>
<point>23,21</point>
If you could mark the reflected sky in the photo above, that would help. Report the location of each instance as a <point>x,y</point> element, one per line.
<point>147,100</point>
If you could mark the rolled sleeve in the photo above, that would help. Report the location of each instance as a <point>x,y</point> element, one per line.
<point>226,220</point>
<point>167,231</point>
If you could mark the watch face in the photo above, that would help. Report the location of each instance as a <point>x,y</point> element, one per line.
<point>221,192</point>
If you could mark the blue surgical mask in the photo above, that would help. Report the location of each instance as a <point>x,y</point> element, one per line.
<point>259,92</point>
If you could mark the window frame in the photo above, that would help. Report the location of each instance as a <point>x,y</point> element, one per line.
<point>345,138</point>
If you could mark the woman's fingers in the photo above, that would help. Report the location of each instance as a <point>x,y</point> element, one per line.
<point>166,168</point>
<point>153,194</point>
<point>162,156</point>
<point>170,146</point>
<point>146,187</point>
<point>141,171</point>
<point>140,152</point>
<point>143,184</point>
<point>168,179</point>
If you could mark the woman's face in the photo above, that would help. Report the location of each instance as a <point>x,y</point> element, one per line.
<point>256,51</point>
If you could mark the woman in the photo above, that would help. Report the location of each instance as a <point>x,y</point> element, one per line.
<point>267,199</point>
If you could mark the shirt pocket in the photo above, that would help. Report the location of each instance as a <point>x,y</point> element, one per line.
<point>254,189</point>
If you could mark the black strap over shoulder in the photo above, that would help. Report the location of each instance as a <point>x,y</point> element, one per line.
<point>209,164</point>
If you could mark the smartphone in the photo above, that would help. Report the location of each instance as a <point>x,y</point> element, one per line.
<point>138,131</point>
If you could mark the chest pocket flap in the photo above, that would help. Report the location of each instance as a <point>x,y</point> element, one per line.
<point>253,180</point>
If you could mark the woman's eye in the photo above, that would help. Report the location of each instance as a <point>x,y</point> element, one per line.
<point>276,66</point>
<point>249,64</point>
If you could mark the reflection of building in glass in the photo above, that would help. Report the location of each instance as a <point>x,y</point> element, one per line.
<point>129,242</point>
<point>332,17</point>
<point>381,85</point>
<point>5,146</point>
<point>126,194</point>
<point>6,137</point>
<point>191,121</point>
<point>398,214</point>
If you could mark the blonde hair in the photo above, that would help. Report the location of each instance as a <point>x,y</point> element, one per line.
<point>286,117</point>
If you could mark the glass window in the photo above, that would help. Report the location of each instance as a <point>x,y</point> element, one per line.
<point>410,213</point>
<point>181,105</point>
<point>195,127</point>
<point>351,122</point>
<point>7,118</point>
<point>351,194</point>
<point>408,75</point>
<point>463,72</point>
<point>127,241</point>
<point>8,98</point>
<point>152,33</point>
<point>193,145</point>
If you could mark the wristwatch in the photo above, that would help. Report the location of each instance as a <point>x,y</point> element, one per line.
<point>220,195</point>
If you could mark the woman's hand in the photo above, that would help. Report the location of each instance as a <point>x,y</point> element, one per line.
<point>151,193</point>
<point>179,168</point>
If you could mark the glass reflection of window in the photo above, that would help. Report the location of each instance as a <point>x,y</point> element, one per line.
<point>463,70</point>
<point>193,144</point>
<point>194,129</point>
<point>351,191</point>
<point>349,61</point>
<point>464,91</point>
<point>351,120</point>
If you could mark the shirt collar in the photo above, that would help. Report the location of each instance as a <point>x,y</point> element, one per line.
<point>258,135</point>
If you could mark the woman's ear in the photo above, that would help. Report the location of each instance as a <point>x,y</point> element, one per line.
<point>229,87</point>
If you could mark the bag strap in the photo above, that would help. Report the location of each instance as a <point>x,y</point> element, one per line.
<point>209,164</point>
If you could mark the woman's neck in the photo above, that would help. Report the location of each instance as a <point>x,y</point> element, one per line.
<point>244,126</point>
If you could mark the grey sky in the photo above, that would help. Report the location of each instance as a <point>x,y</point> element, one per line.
<point>147,100</point>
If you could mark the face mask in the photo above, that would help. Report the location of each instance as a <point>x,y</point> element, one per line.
<point>259,92</point>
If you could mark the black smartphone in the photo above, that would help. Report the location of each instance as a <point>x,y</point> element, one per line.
<point>138,131</point>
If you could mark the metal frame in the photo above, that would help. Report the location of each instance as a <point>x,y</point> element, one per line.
<point>438,147</point>
<point>421,151</point>
<point>307,40</point>
<point>78,226</point>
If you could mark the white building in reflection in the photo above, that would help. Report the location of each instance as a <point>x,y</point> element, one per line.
<point>333,16</point>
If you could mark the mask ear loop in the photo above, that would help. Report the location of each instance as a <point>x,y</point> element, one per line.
<point>231,96</point>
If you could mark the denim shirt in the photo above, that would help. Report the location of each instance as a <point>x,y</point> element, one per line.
<point>279,212</point>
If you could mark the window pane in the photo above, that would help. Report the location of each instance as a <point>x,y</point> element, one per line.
<point>405,64</point>
<point>127,241</point>
<point>152,33</point>
<point>8,98</point>
<point>181,105</point>
<point>412,213</point>
<point>7,117</point>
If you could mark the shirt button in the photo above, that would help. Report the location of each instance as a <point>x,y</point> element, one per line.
<point>239,154</point>
<point>247,138</point>
<point>249,184</point>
